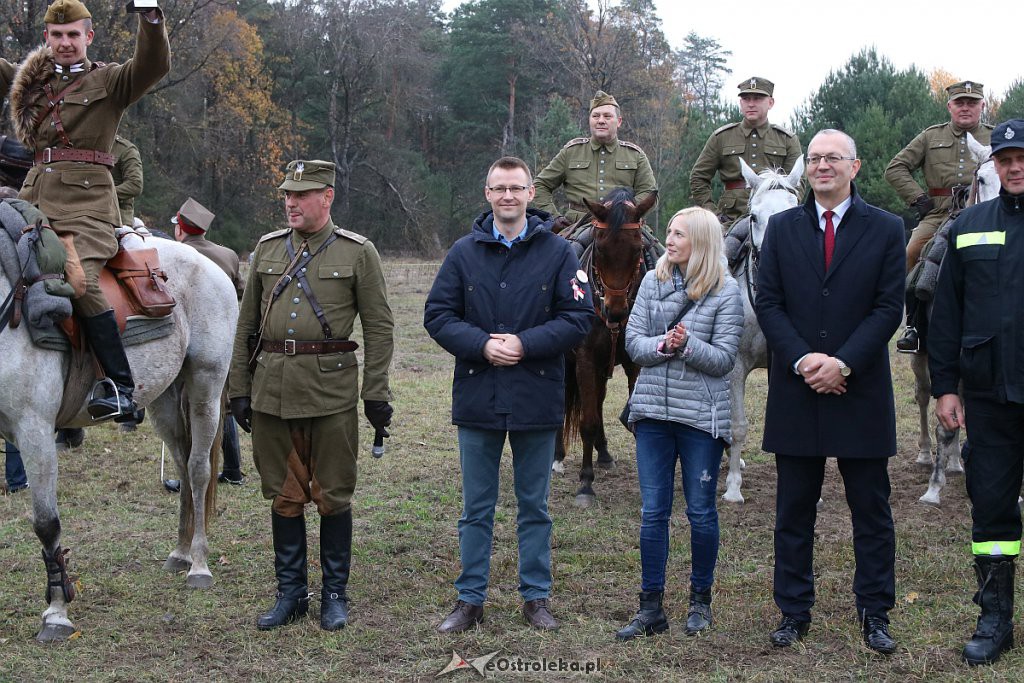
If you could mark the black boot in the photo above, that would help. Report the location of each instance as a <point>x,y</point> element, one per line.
<point>335,560</point>
<point>290,567</point>
<point>111,397</point>
<point>910,342</point>
<point>994,633</point>
<point>648,620</point>
<point>699,617</point>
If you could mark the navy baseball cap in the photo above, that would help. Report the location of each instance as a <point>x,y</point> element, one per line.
<point>1008,134</point>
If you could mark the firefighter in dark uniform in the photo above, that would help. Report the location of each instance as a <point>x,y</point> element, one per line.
<point>977,342</point>
<point>306,285</point>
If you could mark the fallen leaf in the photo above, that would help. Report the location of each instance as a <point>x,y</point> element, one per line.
<point>223,560</point>
<point>911,597</point>
<point>76,634</point>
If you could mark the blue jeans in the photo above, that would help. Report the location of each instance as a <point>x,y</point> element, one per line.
<point>659,444</point>
<point>14,469</point>
<point>480,455</point>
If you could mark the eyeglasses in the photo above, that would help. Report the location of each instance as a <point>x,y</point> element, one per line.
<point>830,159</point>
<point>514,189</point>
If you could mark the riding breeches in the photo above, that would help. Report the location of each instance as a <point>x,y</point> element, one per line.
<point>94,244</point>
<point>924,231</point>
<point>306,460</point>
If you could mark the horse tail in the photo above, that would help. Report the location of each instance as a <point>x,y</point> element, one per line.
<point>573,407</point>
<point>215,448</point>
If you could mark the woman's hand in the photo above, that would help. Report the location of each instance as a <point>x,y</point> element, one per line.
<point>675,338</point>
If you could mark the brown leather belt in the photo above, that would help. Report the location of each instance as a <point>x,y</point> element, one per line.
<point>940,192</point>
<point>290,347</point>
<point>735,184</point>
<point>89,156</point>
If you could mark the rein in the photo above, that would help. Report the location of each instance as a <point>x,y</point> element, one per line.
<point>601,290</point>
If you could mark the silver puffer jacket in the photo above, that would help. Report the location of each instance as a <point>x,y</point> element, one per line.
<point>691,386</point>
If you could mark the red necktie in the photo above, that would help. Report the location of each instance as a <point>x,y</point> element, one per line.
<point>830,237</point>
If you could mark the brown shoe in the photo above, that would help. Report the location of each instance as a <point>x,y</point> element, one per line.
<point>538,615</point>
<point>463,617</point>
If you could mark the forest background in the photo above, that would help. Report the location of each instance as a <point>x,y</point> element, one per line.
<point>413,103</point>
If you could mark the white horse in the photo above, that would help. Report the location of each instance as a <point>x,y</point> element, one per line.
<point>947,450</point>
<point>771,192</point>
<point>179,378</point>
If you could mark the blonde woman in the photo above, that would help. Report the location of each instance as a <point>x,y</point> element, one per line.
<point>680,406</point>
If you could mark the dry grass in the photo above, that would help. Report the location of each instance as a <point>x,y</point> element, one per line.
<point>139,624</point>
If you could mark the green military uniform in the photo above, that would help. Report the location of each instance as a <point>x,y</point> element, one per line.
<point>941,151</point>
<point>766,147</point>
<point>308,395</point>
<point>195,220</point>
<point>79,198</point>
<point>127,175</point>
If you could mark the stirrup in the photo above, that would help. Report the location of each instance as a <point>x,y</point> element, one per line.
<point>112,394</point>
<point>910,336</point>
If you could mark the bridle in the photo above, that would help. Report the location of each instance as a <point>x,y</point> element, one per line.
<point>602,290</point>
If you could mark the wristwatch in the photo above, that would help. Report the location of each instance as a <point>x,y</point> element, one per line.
<point>844,369</point>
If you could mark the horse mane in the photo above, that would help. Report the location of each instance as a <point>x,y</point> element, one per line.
<point>621,201</point>
<point>774,179</point>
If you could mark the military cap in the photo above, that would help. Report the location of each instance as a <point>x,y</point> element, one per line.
<point>66,12</point>
<point>193,217</point>
<point>304,175</point>
<point>1008,134</point>
<point>966,89</point>
<point>602,98</point>
<point>755,85</point>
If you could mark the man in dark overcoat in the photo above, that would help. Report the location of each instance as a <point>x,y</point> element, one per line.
<point>830,297</point>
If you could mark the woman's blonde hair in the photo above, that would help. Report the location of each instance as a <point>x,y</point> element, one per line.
<point>705,271</point>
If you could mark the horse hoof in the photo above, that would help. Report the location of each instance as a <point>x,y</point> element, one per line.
<point>608,464</point>
<point>585,500</point>
<point>954,468</point>
<point>924,459</point>
<point>55,633</point>
<point>176,564</point>
<point>558,467</point>
<point>199,581</point>
<point>732,497</point>
<point>930,498</point>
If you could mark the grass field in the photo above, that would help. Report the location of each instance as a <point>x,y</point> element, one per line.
<point>138,623</point>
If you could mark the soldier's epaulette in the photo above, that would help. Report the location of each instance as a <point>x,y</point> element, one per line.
<point>779,128</point>
<point>354,236</point>
<point>938,125</point>
<point>576,141</point>
<point>631,145</point>
<point>726,127</point>
<point>274,235</point>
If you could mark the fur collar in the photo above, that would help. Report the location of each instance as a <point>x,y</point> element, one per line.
<point>26,95</point>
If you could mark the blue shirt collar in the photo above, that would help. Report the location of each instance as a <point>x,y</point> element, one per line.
<point>504,240</point>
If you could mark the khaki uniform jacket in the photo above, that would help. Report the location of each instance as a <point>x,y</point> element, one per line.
<point>768,146</point>
<point>127,175</point>
<point>91,114</point>
<point>226,259</point>
<point>348,280</point>
<point>589,169</point>
<point>941,151</point>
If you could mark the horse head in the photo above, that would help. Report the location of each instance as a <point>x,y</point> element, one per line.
<point>985,178</point>
<point>771,192</point>
<point>618,250</point>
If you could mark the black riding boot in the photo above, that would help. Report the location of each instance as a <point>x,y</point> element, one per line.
<point>911,340</point>
<point>111,398</point>
<point>994,633</point>
<point>335,559</point>
<point>648,620</point>
<point>290,567</point>
<point>699,617</point>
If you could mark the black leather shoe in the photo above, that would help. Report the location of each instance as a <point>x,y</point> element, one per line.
<point>876,635</point>
<point>910,342</point>
<point>463,617</point>
<point>233,478</point>
<point>538,615</point>
<point>649,619</point>
<point>789,631</point>
<point>285,611</point>
<point>333,611</point>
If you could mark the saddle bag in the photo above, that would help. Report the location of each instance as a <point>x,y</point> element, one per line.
<point>139,272</point>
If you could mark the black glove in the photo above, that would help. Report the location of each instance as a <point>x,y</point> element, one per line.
<point>924,205</point>
<point>241,410</point>
<point>724,219</point>
<point>379,414</point>
<point>560,224</point>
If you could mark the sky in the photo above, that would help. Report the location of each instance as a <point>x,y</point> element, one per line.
<point>771,39</point>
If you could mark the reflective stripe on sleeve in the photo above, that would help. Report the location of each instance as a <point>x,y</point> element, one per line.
<point>996,548</point>
<point>972,239</point>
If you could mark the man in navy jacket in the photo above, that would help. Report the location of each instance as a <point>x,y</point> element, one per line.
<point>829,298</point>
<point>508,302</point>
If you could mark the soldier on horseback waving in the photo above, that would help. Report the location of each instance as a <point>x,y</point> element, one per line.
<point>66,109</point>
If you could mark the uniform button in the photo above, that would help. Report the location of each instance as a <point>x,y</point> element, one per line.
<point>269,270</point>
<point>303,270</point>
<point>501,326</point>
<point>295,300</point>
<point>961,165</point>
<point>299,285</point>
<point>305,254</point>
<point>961,161</point>
<point>471,371</point>
<point>470,288</point>
<point>86,100</point>
<point>503,285</point>
<point>825,292</point>
<point>602,171</point>
<point>753,165</point>
<point>602,160</point>
<point>335,273</point>
<point>543,288</point>
<point>86,183</point>
<point>754,145</point>
<point>49,170</point>
<point>63,78</point>
<point>547,309</point>
<point>753,156</point>
<point>959,175</point>
<point>291,331</point>
<point>822,333</point>
<point>541,373</point>
<point>293,315</point>
<point>339,365</point>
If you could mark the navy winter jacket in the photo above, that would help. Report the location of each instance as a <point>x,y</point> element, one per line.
<point>530,290</point>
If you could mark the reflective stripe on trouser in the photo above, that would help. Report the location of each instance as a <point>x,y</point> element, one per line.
<point>993,468</point>
<point>996,548</point>
<point>306,460</point>
<point>96,244</point>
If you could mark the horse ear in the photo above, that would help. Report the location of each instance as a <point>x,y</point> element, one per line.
<point>796,175</point>
<point>753,180</point>
<point>979,151</point>
<point>597,210</point>
<point>646,203</point>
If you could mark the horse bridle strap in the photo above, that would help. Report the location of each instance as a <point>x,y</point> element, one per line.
<point>625,226</point>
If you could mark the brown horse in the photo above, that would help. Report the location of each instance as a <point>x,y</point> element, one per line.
<point>614,264</point>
